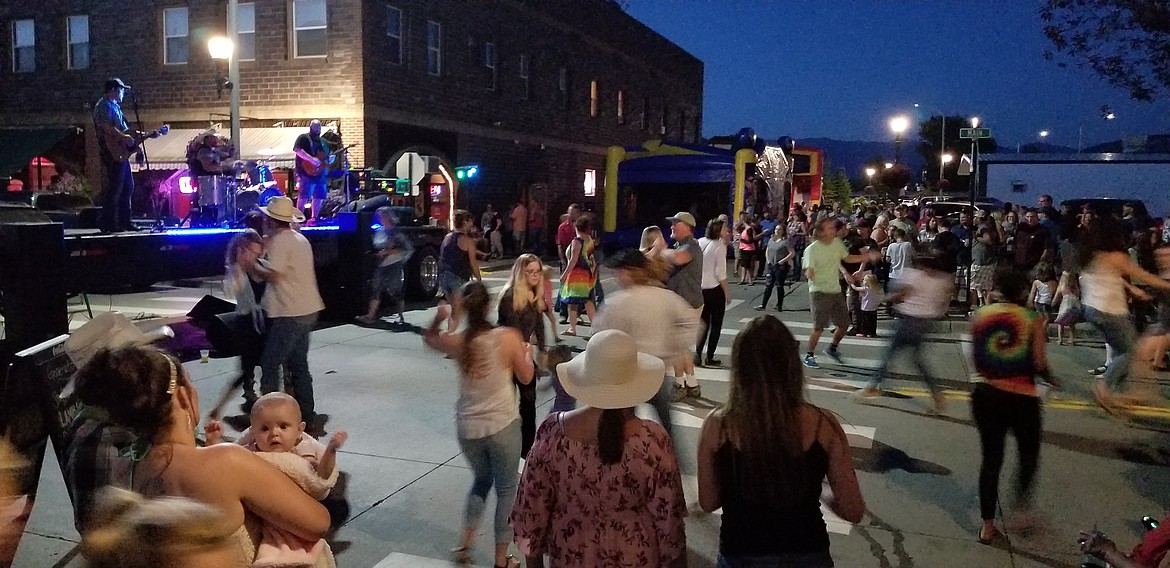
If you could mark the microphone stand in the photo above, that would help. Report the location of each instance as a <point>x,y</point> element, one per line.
<point>143,158</point>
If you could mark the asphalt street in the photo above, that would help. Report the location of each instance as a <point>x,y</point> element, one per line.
<point>405,480</point>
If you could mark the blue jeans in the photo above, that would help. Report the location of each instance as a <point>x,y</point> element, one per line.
<point>288,344</point>
<point>661,403</point>
<point>791,560</point>
<point>494,461</point>
<point>1121,335</point>
<point>910,334</point>
<point>116,200</point>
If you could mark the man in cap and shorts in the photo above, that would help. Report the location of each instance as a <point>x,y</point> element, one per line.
<point>822,262</point>
<point>686,279</point>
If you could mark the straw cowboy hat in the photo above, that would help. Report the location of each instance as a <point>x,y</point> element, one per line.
<point>110,330</point>
<point>612,373</point>
<point>282,208</point>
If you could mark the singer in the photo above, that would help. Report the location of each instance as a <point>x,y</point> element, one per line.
<point>112,130</point>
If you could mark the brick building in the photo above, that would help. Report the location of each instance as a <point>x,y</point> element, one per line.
<point>531,91</point>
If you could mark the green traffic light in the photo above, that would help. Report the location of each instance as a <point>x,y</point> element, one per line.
<point>459,173</point>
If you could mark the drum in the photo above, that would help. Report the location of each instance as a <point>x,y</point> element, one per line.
<point>269,193</point>
<point>213,190</point>
<point>247,199</point>
<point>263,176</point>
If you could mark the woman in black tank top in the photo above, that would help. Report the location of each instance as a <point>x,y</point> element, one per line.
<point>764,453</point>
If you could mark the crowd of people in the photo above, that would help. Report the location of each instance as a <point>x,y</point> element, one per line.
<point>597,485</point>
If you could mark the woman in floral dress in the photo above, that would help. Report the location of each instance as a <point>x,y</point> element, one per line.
<point>601,487</point>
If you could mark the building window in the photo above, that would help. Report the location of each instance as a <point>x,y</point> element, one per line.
<point>176,43</point>
<point>662,119</point>
<point>394,35</point>
<point>593,98</point>
<point>310,28</point>
<point>24,46</point>
<point>246,31</point>
<point>621,107</point>
<point>489,63</point>
<point>563,87</point>
<point>78,53</point>
<point>526,93</point>
<point>590,183</point>
<point>434,48</point>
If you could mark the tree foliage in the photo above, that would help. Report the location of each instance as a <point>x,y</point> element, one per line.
<point>1126,42</point>
<point>837,188</point>
<point>928,148</point>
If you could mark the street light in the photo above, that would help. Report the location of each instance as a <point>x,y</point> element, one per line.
<point>898,124</point>
<point>947,158</point>
<point>1044,134</point>
<point>974,122</point>
<point>220,49</point>
<point>942,142</point>
<point>870,171</point>
<point>889,165</point>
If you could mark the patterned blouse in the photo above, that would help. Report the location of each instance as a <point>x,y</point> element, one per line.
<point>582,513</point>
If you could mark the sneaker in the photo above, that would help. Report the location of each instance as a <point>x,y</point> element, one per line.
<point>810,361</point>
<point>679,394</point>
<point>868,392</point>
<point>760,308</point>
<point>694,392</point>
<point>835,355</point>
<point>712,363</point>
<point>1098,371</point>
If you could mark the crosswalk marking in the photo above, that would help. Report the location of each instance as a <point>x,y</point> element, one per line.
<point>400,560</point>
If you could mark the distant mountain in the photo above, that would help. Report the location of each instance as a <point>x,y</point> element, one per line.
<point>853,154</point>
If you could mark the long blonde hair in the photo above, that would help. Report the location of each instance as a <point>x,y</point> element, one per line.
<point>518,284</point>
<point>649,236</point>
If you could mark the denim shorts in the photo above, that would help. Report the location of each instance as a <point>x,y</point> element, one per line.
<point>450,283</point>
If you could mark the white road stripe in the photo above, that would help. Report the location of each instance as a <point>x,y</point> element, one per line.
<point>400,560</point>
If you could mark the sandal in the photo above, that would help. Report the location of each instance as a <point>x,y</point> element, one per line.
<point>569,333</point>
<point>462,554</point>
<point>989,537</point>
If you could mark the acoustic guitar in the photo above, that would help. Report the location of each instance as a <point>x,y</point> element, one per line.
<point>324,159</point>
<point>122,145</point>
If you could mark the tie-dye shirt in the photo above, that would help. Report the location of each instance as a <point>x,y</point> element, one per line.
<point>1002,342</point>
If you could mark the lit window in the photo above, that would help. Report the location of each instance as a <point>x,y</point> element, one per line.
<point>590,183</point>
<point>434,48</point>
<point>394,34</point>
<point>489,63</point>
<point>526,94</point>
<point>78,42</point>
<point>621,107</point>
<point>23,46</point>
<point>310,28</point>
<point>246,31</point>
<point>176,43</point>
<point>593,98</point>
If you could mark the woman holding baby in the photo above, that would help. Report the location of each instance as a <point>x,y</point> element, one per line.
<point>149,392</point>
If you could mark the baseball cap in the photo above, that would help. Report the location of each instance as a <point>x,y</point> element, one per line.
<point>115,82</point>
<point>684,217</point>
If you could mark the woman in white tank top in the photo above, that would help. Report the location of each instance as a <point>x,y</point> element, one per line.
<point>486,414</point>
<point>1104,282</point>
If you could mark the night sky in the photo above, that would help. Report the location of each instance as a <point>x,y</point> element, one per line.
<point>842,68</point>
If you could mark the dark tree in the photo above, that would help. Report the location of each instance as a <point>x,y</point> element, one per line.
<point>1126,42</point>
<point>928,148</point>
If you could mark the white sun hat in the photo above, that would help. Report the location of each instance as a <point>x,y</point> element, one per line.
<point>612,373</point>
<point>282,208</point>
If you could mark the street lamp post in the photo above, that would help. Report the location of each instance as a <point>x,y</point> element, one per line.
<point>942,146</point>
<point>898,124</point>
<point>223,48</point>
<point>869,172</point>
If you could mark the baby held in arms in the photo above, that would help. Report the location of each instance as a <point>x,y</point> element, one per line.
<point>277,435</point>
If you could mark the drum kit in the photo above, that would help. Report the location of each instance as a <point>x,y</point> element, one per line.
<point>226,199</point>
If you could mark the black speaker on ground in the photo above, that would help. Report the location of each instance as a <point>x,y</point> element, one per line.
<point>90,217</point>
<point>209,307</point>
<point>32,280</point>
<point>21,213</point>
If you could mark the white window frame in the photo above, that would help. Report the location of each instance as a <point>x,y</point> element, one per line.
<point>167,37</point>
<point>18,44</point>
<point>435,50</point>
<point>395,35</point>
<point>241,30</point>
<point>621,107</point>
<point>71,41</point>
<point>590,184</point>
<point>489,62</point>
<point>296,29</point>
<point>526,93</point>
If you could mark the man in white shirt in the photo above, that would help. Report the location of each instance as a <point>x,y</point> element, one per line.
<point>292,303</point>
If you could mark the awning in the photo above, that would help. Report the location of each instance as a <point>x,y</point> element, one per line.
<point>273,145</point>
<point>18,146</point>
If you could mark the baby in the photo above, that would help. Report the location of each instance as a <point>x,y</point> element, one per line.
<point>277,435</point>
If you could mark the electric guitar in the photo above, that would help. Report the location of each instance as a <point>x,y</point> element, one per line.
<point>323,161</point>
<point>122,145</point>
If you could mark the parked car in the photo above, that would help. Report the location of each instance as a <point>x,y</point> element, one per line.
<point>952,209</point>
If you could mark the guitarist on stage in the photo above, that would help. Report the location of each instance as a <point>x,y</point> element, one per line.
<point>312,152</point>
<point>119,187</point>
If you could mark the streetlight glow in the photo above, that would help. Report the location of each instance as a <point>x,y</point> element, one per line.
<point>974,122</point>
<point>870,171</point>
<point>1110,116</point>
<point>1043,133</point>
<point>220,47</point>
<point>947,158</point>
<point>899,124</point>
<point>889,165</point>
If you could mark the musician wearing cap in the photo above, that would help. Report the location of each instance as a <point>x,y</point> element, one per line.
<point>110,124</point>
<point>292,302</point>
<point>205,155</point>
<point>312,152</point>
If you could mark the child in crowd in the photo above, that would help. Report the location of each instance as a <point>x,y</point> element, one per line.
<point>277,435</point>
<point>1043,287</point>
<point>1068,297</point>
<point>392,249</point>
<point>871,299</point>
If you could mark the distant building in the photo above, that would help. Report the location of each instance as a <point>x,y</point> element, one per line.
<point>530,91</point>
